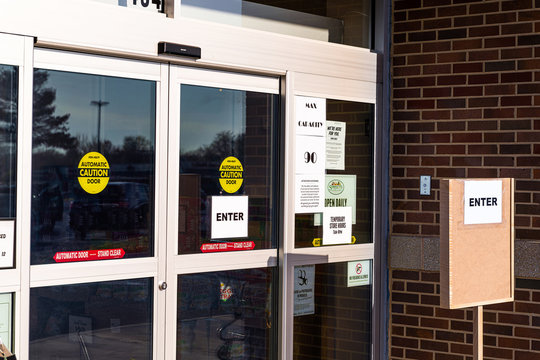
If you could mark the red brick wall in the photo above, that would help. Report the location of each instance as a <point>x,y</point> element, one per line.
<point>465,103</point>
<point>420,329</point>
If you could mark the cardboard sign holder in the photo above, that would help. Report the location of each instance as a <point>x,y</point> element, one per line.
<point>477,259</point>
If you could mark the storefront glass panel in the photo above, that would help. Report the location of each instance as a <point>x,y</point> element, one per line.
<point>227,315</point>
<point>9,85</point>
<point>227,169</point>
<point>6,322</point>
<point>337,21</point>
<point>92,166</point>
<point>332,311</point>
<point>351,187</point>
<point>105,320</point>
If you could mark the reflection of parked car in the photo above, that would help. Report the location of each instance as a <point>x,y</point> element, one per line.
<point>47,206</point>
<point>7,201</point>
<point>121,206</point>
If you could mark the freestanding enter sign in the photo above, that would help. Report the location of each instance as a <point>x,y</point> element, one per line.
<point>477,245</point>
<point>476,242</point>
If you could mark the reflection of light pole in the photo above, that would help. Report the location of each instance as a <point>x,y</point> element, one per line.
<point>99,104</point>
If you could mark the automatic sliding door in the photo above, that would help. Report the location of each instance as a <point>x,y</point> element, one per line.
<point>329,307</point>
<point>94,250</point>
<point>223,278</point>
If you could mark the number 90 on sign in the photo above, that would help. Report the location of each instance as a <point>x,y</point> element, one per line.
<point>310,157</point>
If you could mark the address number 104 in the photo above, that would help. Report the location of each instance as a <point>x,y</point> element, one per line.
<point>146,3</point>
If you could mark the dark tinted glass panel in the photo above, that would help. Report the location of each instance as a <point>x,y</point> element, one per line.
<point>106,320</point>
<point>216,124</point>
<point>9,85</point>
<point>338,21</point>
<point>226,315</point>
<point>93,165</point>
<point>358,119</point>
<point>334,321</point>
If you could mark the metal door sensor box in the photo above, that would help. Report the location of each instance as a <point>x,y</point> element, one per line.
<point>179,50</point>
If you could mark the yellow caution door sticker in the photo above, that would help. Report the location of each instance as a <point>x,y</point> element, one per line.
<point>231,174</point>
<point>93,172</point>
<point>318,242</point>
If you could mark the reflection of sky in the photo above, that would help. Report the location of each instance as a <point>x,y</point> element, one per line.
<point>206,111</point>
<point>130,112</point>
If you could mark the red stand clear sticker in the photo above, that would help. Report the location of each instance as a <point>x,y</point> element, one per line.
<point>89,255</point>
<point>229,246</point>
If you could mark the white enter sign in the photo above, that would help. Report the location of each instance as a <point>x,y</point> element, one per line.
<point>483,202</point>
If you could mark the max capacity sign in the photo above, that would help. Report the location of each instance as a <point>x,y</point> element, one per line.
<point>230,174</point>
<point>310,118</point>
<point>93,172</point>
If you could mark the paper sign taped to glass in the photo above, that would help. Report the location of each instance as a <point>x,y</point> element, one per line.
<point>304,290</point>
<point>340,191</point>
<point>337,224</point>
<point>7,242</point>
<point>477,242</point>
<point>335,144</point>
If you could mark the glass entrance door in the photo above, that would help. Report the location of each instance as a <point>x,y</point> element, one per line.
<point>223,210</point>
<point>153,211</point>
<point>163,217</point>
<point>96,242</point>
<point>329,309</point>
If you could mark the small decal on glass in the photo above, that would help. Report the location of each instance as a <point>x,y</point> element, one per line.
<point>93,172</point>
<point>231,174</point>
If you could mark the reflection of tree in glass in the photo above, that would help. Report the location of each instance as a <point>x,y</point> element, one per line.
<point>86,145</point>
<point>135,146</point>
<point>49,130</point>
<point>8,110</point>
<point>8,100</point>
<point>224,144</point>
<point>131,150</point>
<point>8,138</point>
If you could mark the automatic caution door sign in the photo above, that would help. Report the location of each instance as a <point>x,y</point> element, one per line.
<point>93,172</point>
<point>231,174</point>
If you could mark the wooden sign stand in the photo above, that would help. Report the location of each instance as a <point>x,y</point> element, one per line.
<point>477,247</point>
<point>478,333</point>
